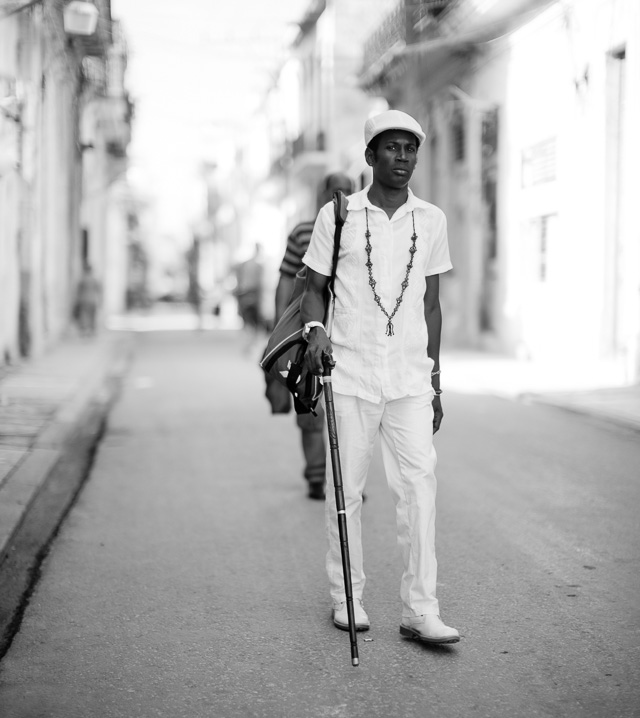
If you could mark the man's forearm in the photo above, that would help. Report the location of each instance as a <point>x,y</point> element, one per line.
<point>312,307</point>
<point>433,318</point>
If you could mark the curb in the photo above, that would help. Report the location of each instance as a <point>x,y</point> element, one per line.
<point>19,492</point>
<point>599,414</point>
<point>39,493</point>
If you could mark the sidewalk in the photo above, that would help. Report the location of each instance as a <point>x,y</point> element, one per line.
<point>599,390</point>
<point>51,414</point>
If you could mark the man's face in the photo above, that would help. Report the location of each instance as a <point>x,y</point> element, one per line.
<point>395,159</point>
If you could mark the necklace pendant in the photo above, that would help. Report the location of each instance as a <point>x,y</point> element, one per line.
<point>405,283</point>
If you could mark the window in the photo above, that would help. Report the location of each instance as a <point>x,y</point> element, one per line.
<point>539,163</point>
<point>543,229</point>
<point>458,135</point>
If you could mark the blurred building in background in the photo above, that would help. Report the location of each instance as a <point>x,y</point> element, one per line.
<point>105,133</point>
<point>530,107</point>
<point>310,122</point>
<point>316,108</point>
<point>64,130</point>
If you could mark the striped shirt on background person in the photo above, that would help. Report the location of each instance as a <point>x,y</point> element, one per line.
<point>297,243</point>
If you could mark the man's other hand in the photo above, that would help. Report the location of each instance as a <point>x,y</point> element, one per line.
<point>437,413</point>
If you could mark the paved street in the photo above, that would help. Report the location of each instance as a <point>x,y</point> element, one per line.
<point>189,578</point>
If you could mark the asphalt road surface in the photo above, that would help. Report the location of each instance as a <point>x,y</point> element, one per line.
<point>189,580</point>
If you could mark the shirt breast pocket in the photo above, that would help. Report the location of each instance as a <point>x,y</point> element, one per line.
<point>348,239</point>
<point>345,332</point>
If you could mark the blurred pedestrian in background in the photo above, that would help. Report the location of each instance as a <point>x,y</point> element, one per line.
<point>195,293</point>
<point>311,427</point>
<point>195,296</point>
<point>386,380</point>
<point>87,302</point>
<point>248,293</point>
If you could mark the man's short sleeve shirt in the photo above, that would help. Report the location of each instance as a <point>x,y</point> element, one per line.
<point>370,364</point>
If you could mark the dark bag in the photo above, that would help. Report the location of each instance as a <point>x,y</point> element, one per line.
<point>283,359</point>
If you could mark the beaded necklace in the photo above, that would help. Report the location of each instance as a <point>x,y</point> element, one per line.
<point>405,283</point>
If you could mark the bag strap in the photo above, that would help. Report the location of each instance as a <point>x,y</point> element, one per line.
<point>340,210</point>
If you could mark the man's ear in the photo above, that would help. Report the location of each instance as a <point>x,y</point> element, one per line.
<point>369,156</point>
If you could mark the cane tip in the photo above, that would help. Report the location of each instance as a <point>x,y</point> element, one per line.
<point>355,661</point>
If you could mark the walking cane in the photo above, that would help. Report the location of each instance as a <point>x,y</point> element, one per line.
<point>342,516</point>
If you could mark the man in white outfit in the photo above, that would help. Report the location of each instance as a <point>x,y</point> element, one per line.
<point>386,344</point>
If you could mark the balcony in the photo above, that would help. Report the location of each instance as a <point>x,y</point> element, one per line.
<point>116,125</point>
<point>94,78</point>
<point>388,38</point>
<point>303,159</point>
<point>409,23</point>
<point>436,30</point>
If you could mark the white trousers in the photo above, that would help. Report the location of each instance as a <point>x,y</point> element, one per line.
<point>409,459</point>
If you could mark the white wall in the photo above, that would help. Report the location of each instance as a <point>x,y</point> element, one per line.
<point>537,77</point>
<point>10,193</point>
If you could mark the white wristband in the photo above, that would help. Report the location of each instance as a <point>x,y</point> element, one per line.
<point>309,326</point>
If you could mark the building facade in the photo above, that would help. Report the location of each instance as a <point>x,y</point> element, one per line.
<point>318,110</point>
<point>529,108</point>
<point>310,123</point>
<point>64,122</point>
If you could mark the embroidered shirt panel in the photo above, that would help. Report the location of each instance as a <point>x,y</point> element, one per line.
<point>370,364</point>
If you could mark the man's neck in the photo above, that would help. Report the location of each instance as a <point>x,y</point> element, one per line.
<point>387,198</point>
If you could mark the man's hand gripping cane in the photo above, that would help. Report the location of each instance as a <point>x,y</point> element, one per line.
<point>319,351</point>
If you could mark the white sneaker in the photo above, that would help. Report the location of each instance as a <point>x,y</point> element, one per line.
<point>428,628</point>
<point>341,619</point>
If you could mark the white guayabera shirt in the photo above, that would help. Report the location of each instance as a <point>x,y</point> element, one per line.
<point>370,364</point>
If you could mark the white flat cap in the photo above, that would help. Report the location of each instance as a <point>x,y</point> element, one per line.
<point>392,120</point>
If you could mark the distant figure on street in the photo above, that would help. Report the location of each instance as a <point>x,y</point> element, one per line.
<point>386,381</point>
<point>87,302</point>
<point>195,297</point>
<point>195,294</point>
<point>311,427</point>
<point>248,293</point>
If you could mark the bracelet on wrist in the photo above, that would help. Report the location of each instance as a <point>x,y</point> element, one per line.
<point>435,373</point>
<point>309,326</point>
<point>437,392</point>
